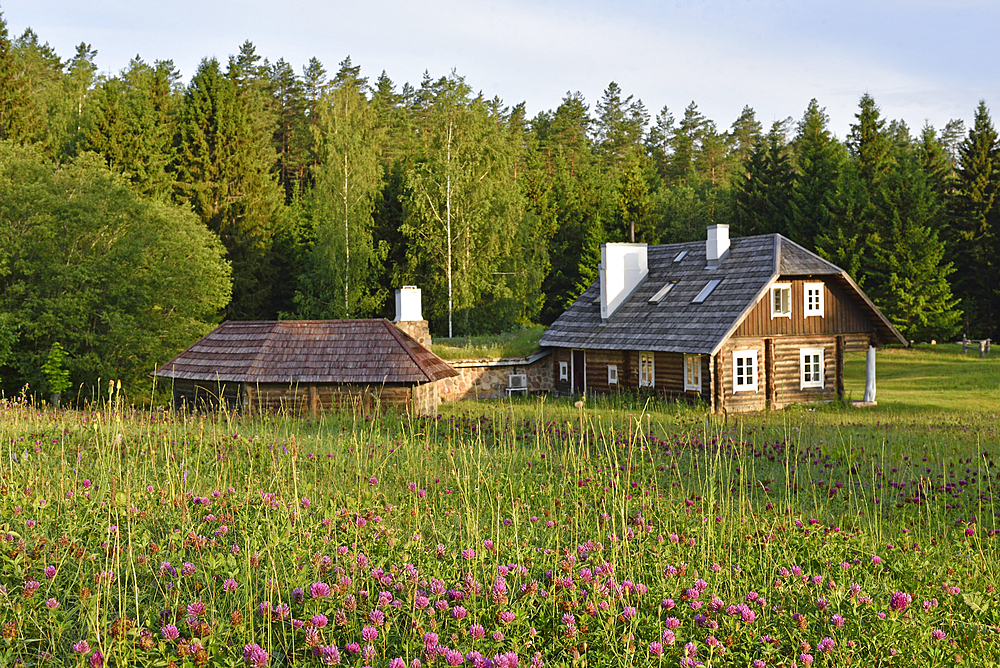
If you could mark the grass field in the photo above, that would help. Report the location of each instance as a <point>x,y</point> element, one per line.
<point>524,532</point>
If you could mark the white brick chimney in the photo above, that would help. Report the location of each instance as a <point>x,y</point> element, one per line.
<point>623,268</point>
<point>408,304</point>
<point>717,245</point>
<point>409,318</point>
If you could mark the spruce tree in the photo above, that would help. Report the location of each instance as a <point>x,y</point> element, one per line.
<point>17,109</point>
<point>819,159</point>
<point>572,199</point>
<point>224,171</point>
<point>974,224</point>
<point>762,194</point>
<point>133,125</point>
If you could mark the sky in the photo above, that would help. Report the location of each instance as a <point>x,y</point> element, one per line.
<point>921,60</point>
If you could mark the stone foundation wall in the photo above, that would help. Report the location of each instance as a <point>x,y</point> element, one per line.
<point>487,378</point>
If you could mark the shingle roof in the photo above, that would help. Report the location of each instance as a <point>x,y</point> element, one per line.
<point>675,324</point>
<point>307,351</point>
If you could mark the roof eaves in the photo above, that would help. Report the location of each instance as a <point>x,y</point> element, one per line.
<point>402,338</point>
<point>878,312</point>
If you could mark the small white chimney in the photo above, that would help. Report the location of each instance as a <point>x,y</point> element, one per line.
<point>623,268</point>
<point>408,304</point>
<point>717,245</point>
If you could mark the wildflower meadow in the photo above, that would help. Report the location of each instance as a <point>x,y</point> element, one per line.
<point>525,533</point>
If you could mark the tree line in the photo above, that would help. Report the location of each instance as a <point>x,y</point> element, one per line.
<point>267,193</point>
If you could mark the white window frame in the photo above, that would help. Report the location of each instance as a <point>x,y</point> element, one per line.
<point>692,373</point>
<point>740,381</point>
<point>781,287</point>
<point>612,374</point>
<point>647,370</point>
<point>810,378</point>
<point>563,370</point>
<point>813,308</point>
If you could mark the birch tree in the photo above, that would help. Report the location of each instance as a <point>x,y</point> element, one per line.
<point>464,206</point>
<point>343,261</point>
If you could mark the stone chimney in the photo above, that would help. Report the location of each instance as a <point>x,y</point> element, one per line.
<point>623,268</point>
<point>717,246</point>
<point>408,315</point>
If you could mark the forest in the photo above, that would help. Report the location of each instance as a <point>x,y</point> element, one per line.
<point>137,211</point>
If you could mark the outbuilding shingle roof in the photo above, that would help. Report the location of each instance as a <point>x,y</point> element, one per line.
<point>675,324</point>
<point>307,351</point>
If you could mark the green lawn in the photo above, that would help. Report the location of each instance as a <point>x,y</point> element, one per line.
<point>519,343</point>
<point>929,379</point>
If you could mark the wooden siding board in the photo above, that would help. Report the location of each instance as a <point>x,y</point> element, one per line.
<point>842,315</point>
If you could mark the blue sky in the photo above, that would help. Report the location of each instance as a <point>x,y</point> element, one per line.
<point>922,60</point>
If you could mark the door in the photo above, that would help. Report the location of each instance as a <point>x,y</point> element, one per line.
<point>579,372</point>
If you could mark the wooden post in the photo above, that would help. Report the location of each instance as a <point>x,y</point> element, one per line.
<point>839,371</point>
<point>313,402</point>
<point>720,402</point>
<point>769,389</point>
<point>965,345</point>
<point>988,341</point>
<point>982,349</point>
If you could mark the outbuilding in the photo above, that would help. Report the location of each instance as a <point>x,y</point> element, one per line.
<point>743,324</point>
<point>307,366</point>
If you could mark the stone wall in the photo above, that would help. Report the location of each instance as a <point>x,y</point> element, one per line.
<point>487,378</point>
<point>418,330</point>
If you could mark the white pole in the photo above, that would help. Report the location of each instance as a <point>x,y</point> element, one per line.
<point>870,376</point>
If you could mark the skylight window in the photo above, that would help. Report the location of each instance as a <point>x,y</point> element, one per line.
<point>706,291</point>
<point>680,256</point>
<point>658,297</point>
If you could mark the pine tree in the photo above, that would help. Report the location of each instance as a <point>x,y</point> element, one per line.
<point>743,135</point>
<point>974,224</point>
<point>620,128</point>
<point>685,145</point>
<point>292,142</point>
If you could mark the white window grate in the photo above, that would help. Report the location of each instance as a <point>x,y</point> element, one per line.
<point>811,370</point>
<point>813,296</point>
<point>745,371</point>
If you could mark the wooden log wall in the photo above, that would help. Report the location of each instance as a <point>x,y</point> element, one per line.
<point>778,373</point>
<point>312,399</point>
<point>206,395</point>
<point>597,371</point>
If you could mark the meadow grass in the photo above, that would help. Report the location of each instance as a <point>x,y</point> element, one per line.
<point>525,532</point>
